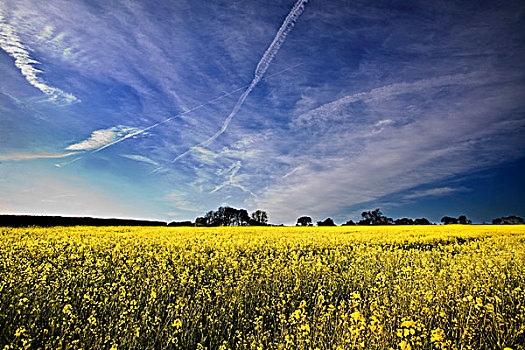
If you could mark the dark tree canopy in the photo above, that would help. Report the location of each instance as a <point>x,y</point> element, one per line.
<point>201,221</point>
<point>259,218</point>
<point>447,220</point>
<point>421,221</point>
<point>326,222</point>
<point>304,221</point>
<point>224,216</point>
<point>227,216</point>
<point>404,221</point>
<point>462,219</point>
<point>47,221</point>
<point>375,217</point>
<point>408,221</point>
<point>180,223</point>
<point>508,220</point>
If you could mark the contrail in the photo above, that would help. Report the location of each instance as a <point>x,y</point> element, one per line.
<point>138,132</point>
<point>153,126</point>
<point>261,68</point>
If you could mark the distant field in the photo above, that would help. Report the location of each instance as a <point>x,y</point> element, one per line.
<point>408,287</point>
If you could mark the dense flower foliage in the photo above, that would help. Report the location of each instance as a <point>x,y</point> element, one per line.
<point>426,287</point>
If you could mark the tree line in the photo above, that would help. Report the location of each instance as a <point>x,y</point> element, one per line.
<point>373,217</point>
<point>508,220</point>
<point>228,216</point>
<point>48,221</point>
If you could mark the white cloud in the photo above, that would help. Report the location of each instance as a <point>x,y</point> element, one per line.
<point>139,158</point>
<point>291,172</point>
<point>339,168</point>
<point>102,137</point>
<point>46,33</point>
<point>11,43</point>
<point>98,138</point>
<point>434,192</point>
<point>335,109</point>
<point>232,180</point>
<point>383,122</point>
<point>362,147</point>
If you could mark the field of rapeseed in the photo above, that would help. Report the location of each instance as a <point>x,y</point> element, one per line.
<point>413,287</point>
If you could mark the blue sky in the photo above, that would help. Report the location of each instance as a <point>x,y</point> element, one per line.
<point>128,108</point>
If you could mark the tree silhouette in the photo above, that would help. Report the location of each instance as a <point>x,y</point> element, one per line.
<point>404,221</point>
<point>210,219</point>
<point>349,223</point>
<point>304,221</point>
<point>462,219</point>
<point>326,222</point>
<point>46,221</point>
<point>508,220</point>
<point>375,217</point>
<point>224,216</point>
<point>259,218</point>
<point>421,221</point>
<point>201,221</point>
<point>180,223</point>
<point>447,220</point>
<point>241,218</point>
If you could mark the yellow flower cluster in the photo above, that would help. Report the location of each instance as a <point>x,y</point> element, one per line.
<point>399,287</point>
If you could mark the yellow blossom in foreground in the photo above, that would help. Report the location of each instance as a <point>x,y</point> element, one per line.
<point>390,287</point>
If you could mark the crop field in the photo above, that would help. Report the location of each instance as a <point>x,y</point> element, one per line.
<point>389,287</point>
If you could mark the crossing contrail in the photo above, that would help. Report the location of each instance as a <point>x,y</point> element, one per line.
<point>138,132</point>
<point>261,68</point>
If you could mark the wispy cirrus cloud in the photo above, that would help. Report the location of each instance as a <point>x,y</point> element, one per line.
<point>336,109</point>
<point>11,43</point>
<point>379,108</point>
<point>31,156</point>
<point>140,158</point>
<point>260,70</point>
<point>435,192</point>
<point>398,148</point>
<point>233,181</point>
